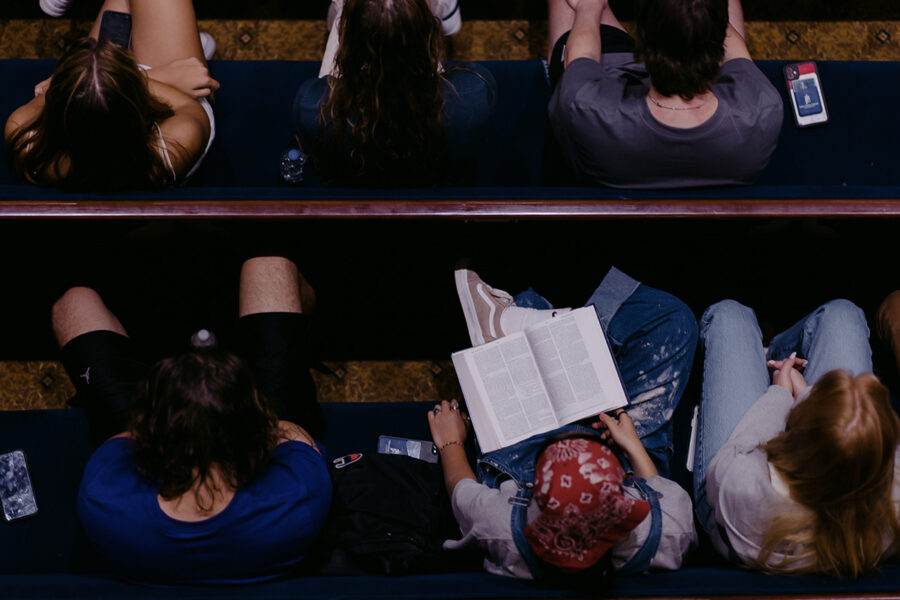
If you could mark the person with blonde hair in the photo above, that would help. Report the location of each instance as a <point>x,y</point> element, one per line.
<point>790,478</point>
<point>116,118</point>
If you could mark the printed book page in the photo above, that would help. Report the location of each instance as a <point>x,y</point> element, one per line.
<point>557,372</point>
<point>504,393</point>
<point>577,365</point>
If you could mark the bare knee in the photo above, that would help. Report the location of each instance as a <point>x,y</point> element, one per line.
<point>270,284</point>
<point>81,310</point>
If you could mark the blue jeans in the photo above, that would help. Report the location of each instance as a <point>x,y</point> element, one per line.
<point>735,375</point>
<point>653,336</point>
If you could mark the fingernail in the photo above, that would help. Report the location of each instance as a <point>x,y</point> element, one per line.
<point>793,355</point>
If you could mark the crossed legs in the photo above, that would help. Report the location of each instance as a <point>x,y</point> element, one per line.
<point>162,31</point>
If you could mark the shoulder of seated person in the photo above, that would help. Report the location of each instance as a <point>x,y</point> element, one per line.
<point>21,117</point>
<point>291,432</point>
<point>189,133</point>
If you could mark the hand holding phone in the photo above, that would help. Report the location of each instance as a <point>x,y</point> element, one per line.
<point>805,92</point>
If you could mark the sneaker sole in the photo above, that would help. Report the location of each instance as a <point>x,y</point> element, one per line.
<point>468,306</point>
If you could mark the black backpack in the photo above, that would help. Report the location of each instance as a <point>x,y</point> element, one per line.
<point>390,516</point>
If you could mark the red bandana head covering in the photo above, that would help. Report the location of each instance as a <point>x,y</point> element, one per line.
<point>584,511</point>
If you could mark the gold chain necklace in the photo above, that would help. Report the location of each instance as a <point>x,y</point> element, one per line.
<point>656,102</point>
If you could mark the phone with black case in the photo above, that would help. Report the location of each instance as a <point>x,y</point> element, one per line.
<point>804,88</point>
<point>115,26</point>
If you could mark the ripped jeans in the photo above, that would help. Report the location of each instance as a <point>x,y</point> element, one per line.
<point>653,336</point>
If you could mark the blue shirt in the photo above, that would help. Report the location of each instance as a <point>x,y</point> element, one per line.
<point>263,533</point>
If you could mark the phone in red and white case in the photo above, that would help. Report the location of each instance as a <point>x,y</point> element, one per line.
<point>805,91</point>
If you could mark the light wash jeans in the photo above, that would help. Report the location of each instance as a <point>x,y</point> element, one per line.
<point>735,375</point>
<point>653,336</point>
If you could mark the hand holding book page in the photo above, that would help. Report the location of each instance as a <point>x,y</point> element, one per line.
<point>551,374</point>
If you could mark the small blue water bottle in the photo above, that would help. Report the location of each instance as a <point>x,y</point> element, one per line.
<point>291,166</point>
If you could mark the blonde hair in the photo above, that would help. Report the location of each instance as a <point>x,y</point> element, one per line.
<point>836,456</point>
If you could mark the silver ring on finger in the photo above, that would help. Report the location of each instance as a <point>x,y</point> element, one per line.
<point>437,410</point>
<point>454,407</point>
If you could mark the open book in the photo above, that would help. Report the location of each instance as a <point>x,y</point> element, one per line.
<point>553,373</point>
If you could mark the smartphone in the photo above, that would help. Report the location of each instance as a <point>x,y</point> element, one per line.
<point>115,26</point>
<point>421,449</point>
<point>16,493</point>
<point>805,91</point>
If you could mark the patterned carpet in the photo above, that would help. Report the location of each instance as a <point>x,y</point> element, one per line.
<point>282,39</point>
<point>31,385</point>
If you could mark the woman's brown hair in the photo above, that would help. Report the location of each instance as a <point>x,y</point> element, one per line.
<point>836,456</point>
<point>382,120</point>
<point>199,412</point>
<point>98,128</point>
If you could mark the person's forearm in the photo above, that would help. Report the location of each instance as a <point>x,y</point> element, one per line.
<point>736,17</point>
<point>456,466</point>
<point>175,98</point>
<point>584,39</point>
<point>641,462</point>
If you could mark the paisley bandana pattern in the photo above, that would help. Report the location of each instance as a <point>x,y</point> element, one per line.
<point>584,510</point>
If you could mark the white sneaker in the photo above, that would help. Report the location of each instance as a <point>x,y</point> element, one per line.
<point>448,12</point>
<point>208,43</point>
<point>482,306</point>
<point>54,8</point>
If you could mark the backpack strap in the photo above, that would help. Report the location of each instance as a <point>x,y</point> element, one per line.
<point>518,521</point>
<point>640,562</point>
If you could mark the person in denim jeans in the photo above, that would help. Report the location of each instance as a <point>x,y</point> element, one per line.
<point>777,458</point>
<point>653,336</point>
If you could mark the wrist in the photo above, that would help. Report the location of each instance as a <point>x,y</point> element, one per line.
<point>450,444</point>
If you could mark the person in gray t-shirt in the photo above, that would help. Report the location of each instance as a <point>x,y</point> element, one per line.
<point>681,106</point>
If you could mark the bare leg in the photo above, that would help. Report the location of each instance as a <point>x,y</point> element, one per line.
<point>736,17</point>
<point>273,284</point>
<point>277,344</point>
<point>164,31</point>
<point>561,17</point>
<point>117,5</point>
<point>81,310</point>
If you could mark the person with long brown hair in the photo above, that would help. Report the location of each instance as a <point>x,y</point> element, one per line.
<point>114,118</point>
<point>208,469</point>
<point>788,477</point>
<point>389,113</point>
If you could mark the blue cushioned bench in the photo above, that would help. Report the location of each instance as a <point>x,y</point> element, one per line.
<point>846,168</point>
<point>48,557</point>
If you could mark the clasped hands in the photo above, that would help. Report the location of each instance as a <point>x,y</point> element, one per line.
<point>786,373</point>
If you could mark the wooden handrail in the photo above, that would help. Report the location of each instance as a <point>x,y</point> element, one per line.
<point>478,209</point>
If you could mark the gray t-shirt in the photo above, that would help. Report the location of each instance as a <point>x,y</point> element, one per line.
<point>740,487</point>
<point>608,136</point>
<point>484,516</point>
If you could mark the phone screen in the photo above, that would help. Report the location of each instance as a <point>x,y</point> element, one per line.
<point>16,493</point>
